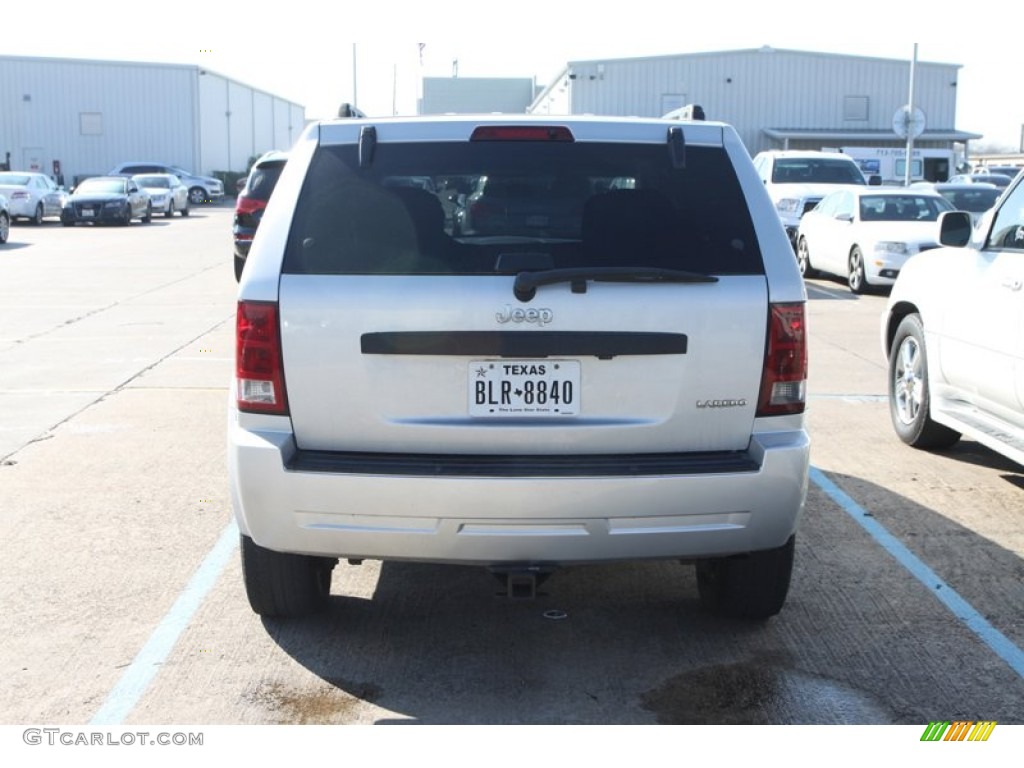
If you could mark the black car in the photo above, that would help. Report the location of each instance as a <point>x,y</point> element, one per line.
<point>107,200</point>
<point>251,202</point>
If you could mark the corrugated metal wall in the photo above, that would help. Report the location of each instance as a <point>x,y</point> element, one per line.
<point>92,115</point>
<point>443,95</point>
<point>769,88</point>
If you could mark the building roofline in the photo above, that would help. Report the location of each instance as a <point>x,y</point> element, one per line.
<point>764,50</point>
<point>826,134</point>
<point>197,69</point>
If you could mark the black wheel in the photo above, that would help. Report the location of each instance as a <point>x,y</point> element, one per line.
<point>281,585</point>
<point>126,220</point>
<point>751,586</point>
<point>37,217</point>
<point>185,211</point>
<point>196,195</point>
<point>67,222</point>
<point>803,258</point>
<point>5,227</point>
<point>856,279</point>
<point>170,210</point>
<point>909,398</point>
<point>239,266</point>
<point>148,215</point>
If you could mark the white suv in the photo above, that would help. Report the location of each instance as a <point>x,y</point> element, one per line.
<point>797,180</point>
<point>953,333</point>
<point>627,385</point>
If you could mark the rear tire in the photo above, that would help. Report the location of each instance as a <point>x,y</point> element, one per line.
<point>148,215</point>
<point>197,195</point>
<point>909,395</point>
<point>170,210</point>
<point>283,585</point>
<point>5,227</point>
<point>752,586</point>
<point>37,217</point>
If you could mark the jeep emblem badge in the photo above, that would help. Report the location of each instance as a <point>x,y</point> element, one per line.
<point>511,314</point>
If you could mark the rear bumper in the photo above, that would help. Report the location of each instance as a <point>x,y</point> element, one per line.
<point>340,506</point>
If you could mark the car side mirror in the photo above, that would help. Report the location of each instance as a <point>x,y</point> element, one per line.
<point>874,180</point>
<point>955,228</point>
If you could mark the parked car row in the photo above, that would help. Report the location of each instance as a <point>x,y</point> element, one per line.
<point>129,191</point>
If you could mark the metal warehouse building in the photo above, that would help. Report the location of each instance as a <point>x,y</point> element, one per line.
<point>776,99</point>
<point>443,95</point>
<point>69,117</point>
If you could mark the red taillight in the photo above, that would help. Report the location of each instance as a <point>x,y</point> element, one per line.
<point>521,133</point>
<point>259,373</point>
<point>249,205</point>
<point>784,380</point>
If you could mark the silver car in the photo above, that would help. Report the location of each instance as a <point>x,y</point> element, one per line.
<point>630,386</point>
<point>32,196</point>
<point>168,193</point>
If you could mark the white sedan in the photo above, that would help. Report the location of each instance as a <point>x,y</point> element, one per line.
<point>32,196</point>
<point>865,236</point>
<point>167,191</point>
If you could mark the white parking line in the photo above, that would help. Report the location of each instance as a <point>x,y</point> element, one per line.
<point>140,673</point>
<point>1001,645</point>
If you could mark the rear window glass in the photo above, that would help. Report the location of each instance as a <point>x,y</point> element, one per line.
<point>503,206</point>
<point>263,179</point>
<point>817,171</point>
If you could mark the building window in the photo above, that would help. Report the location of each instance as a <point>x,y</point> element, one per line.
<point>90,123</point>
<point>855,108</point>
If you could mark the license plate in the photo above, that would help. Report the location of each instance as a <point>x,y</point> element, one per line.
<point>87,212</point>
<point>524,388</point>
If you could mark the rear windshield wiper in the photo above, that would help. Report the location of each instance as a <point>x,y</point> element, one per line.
<point>526,283</point>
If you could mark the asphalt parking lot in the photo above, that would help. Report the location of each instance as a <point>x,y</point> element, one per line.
<point>122,588</point>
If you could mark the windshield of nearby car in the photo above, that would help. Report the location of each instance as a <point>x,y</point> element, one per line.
<point>974,200</point>
<point>814,170</point>
<point>902,207</point>
<point>530,206</point>
<point>153,181</point>
<point>105,186</point>
<point>14,179</point>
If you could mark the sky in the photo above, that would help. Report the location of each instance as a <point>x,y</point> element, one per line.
<point>307,56</point>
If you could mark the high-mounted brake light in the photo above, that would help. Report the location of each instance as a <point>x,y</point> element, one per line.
<point>784,377</point>
<point>259,370</point>
<point>521,133</point>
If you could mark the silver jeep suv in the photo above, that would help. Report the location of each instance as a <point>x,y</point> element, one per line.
<point>613,369</point>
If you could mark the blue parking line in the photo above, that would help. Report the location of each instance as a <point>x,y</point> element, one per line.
<point>992,637</point>
<point>140,673</point>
